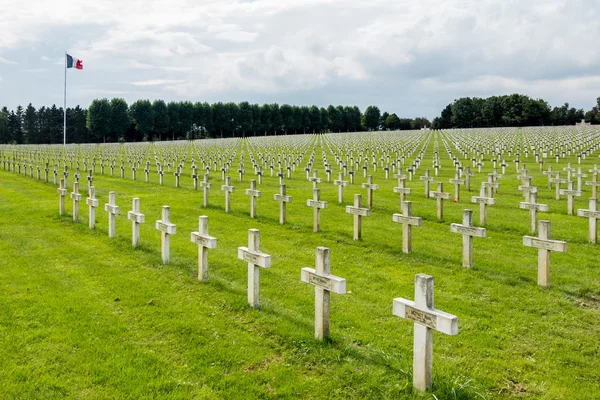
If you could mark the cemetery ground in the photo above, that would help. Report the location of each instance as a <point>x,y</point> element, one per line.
<point>83,315</point>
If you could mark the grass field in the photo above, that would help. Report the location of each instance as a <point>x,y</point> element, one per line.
<point>88,317</point>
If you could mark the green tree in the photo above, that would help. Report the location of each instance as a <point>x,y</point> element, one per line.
<point>120,121</point>
<point>162,120</point>
<point>314,115</point>
<point>372,117</point>
<point>336,119</point>
<point>246,119</point>
<point>266,120</point>
<point>142,115</point>
<point>99,120</point>
<point>287,117</point>
<point>186,120</point>
<point>392,122</point>
<point>4,132</point>
<point>382,119</point>
<point>30,125</point>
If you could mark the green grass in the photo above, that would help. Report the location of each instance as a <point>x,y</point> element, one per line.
<point>85,316</point>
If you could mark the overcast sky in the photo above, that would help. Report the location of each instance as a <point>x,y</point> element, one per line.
<point>407,57</point>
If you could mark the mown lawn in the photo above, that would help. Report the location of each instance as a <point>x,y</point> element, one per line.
<point>88,317</point>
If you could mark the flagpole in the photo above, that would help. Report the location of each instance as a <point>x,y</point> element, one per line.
<point>65,106</point>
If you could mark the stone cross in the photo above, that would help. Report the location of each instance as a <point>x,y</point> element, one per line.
<point>195,176</point>
<point>62,192</point>
<point>490,185</point>
<point>314,179</point>
<point>253,193</point>
<point>570,193</point>
<point>358,213</point>
<point>579,175</point>
<point>440,195</point>
<point>557,181</point>
<point>468,174</point>
<point>256,260</point>
<point>228,189</point>
<point>468,231</point>
<point>427,179</point>
<point>426,319</point>
<point>594,184</point>
<point>76,196</point>
<point>370,186</point>
<point>593,214</point>
<point>205,185</point>
<point>282,198</point>
<point>526,188</point>
<point>457,182</point>
<point>483,203</point>
<point>204,242</point>
<point>136,218</point>
<point>166,229</point>
<point>324,284</point>
<point>401,190</point>
<point>340,183</point>
<point>90,178</point>
<point>317,205</point>
<point>92,202</point>
<point>407,220</point>
<point>549,175</point>
<point>569,171</point>
<point>113,210</point>
<point>533,208</point>
<point>544,246</point>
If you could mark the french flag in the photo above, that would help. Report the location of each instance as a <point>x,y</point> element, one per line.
<point>73,62</point>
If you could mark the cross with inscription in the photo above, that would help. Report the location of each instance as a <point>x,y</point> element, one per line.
<point>579,175</point>
<point>177,174</point>
<point>427,179</point>
<point>90,178</point>
<point>228,189</point>
<point>483,203</point>
<point>317,205</point>
<point>314,179</point>
<point>370,186</point>
<point>113,210</point>
<point>136,218</point>
<point>544,246</point>
<point>166,229</point>
<point>533,208</point>
<point>557,181</point>
<point>256,260</point>
<point>570,193</point>
<point>92,203</point>
<point>324,284</point>
<point>593,214</point>
<point>407,220</point>
<point>206,186</point>
<point>340,183</point>
<point>426,319</point>
<point>62,192</point>
<point>549,173</point>
<point>283,199</point>
<point>358,213</point>
<point>569,171</point>
<point>401,189</point>
<point>253,193</point>
<point>204,242</point>
<point>76,196</point>
<point>440,195</point>
<point>457,182</point>
<point>468,231</point>
<point>468,174</point>
<point>594,184</point>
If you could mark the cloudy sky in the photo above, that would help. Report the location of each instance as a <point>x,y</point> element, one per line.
<point>408,57</point>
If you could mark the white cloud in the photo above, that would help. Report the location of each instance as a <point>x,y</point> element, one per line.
<point>238,36</point>
<point>156,82</point>
<point>5,61</point>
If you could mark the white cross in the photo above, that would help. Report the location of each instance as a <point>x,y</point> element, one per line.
<point>593,214</point>
<point>401,189</point>
<point>468,231</point>
<point>358,213</point>
<point>256,260</point>
<point>440,195</point>
<point>594,184</point>
<point>283,199</point>
<point>544,246</point>
<point>324,283</point>
<point>62,192</point>
<point>228,189</point>
<point>206,185</point>
<point>340,183</point>
<point>570,193</point>
<point>457,182</point>
<point>426,319</point>
<point>136,218</point>
<point>315,180</point>
<point>483,203</point>
<point>92,202</point>
<point>317,205</point>
<point>407,220</point>
<point>427,179</point>
<point>76,196</point>
<point>166,229</point>
<point>370,186</point>
<point>533,208</point>
<point>204,242</point>
<point>113,210</point>
<point>253,193</point>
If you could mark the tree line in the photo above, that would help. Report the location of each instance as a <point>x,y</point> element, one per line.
<point>114,120</point>
<point>510,110</point>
